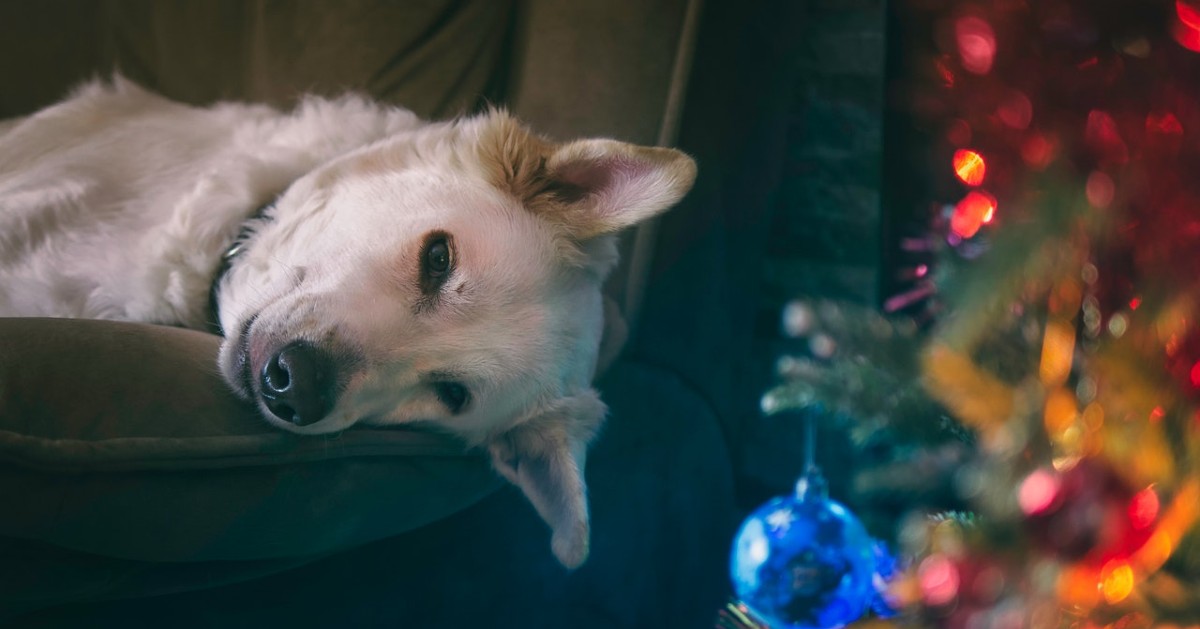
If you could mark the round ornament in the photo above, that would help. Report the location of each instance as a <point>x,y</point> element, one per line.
<point>804,562</point>
<point>887,568</point>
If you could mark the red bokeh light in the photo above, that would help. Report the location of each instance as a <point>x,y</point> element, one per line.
<point>976,44</point>
<point>1165,123</point>
<point>958,132</point>
<point>1143,508</point>
<point>1038,151</point>
<point>1016,110</point>
<point>1188,15</point>
<point>1102,134</point>
<point>1100,189</point>
<point>939,580</point>
<point>969,166</point>
<point>972,212</point>
<point>1186,34</point>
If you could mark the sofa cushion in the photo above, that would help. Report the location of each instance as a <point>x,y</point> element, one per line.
<point>660,486</point>
<point>120,439</point>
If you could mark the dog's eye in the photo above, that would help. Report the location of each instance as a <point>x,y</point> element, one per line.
<point>437,261</point>
<point>454,395</point>
<point>437,257</point>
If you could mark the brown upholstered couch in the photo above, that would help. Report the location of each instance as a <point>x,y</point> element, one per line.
<point>134,489</point>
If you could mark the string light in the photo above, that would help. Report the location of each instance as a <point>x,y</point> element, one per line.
<point>972,212</point>
<point>969,166</point>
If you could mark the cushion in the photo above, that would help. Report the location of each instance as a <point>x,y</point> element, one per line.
<point>660,486</point>
<point>120,439</point>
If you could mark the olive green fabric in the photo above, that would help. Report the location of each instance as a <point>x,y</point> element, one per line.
<point>436,57</point>
<point>89,408</point>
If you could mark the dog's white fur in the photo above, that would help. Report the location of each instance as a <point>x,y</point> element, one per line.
<point>118,204</point>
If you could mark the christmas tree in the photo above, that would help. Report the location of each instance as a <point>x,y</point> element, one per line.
<point>1041,379</point>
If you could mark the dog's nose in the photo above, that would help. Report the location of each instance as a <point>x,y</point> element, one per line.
<point>299,384</point>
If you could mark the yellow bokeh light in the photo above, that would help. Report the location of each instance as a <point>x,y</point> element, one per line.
<point>1116,581</point>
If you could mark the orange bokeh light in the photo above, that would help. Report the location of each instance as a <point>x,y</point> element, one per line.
<point>972,212</point>
<point>969,166</point>
<point>1058,350</point>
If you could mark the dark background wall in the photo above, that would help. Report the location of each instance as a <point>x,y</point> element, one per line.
<point>785,116</point>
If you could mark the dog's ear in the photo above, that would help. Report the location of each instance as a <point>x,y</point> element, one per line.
<point>589,187</point>
<point>544,456</point>
<point>602,186</point>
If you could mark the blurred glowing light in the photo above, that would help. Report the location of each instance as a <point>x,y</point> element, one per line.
<point>1165,123</point>
<point>1188,14</point>
<point>971,213</point>
<point>1038,151</point>
<point>1060,411</point>
<point>939,580</point>
<point>1134,303</point>
<point>1143,508</point>
<point>1194,374</point>
<point>1100,189</point>
<point>922,270</point>
<point>969,166</point>
<point>1117,325</point>
<point>958,132</point>
<point>1116,581</point>
<point>944,72</point>
<point>1038,491</point>
<point>798,319</point>
<point>1102,133</point>
<point>1187,35</point>
<point>1015,110</point>
<point>976,44</point>
<point>1155,552</point>
<point>1078,586</point>
<point>1093,416</point>
<point>822,345</point>
<point>1138,47</point>
<point>1058,348</point>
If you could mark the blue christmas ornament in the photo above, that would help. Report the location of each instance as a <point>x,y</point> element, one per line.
<point>887,567</point>
<point>804,561</point>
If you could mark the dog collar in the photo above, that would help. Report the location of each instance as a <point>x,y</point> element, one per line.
<point>234,249</point>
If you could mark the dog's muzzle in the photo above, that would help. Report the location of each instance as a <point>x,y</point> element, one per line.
<point>299,384</point>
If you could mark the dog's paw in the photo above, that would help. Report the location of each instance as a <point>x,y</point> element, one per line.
<point>571,545</point>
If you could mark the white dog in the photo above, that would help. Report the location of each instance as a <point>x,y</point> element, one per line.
<point>364,265</point>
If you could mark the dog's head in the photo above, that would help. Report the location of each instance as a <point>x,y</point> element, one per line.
<point>451,276</point>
